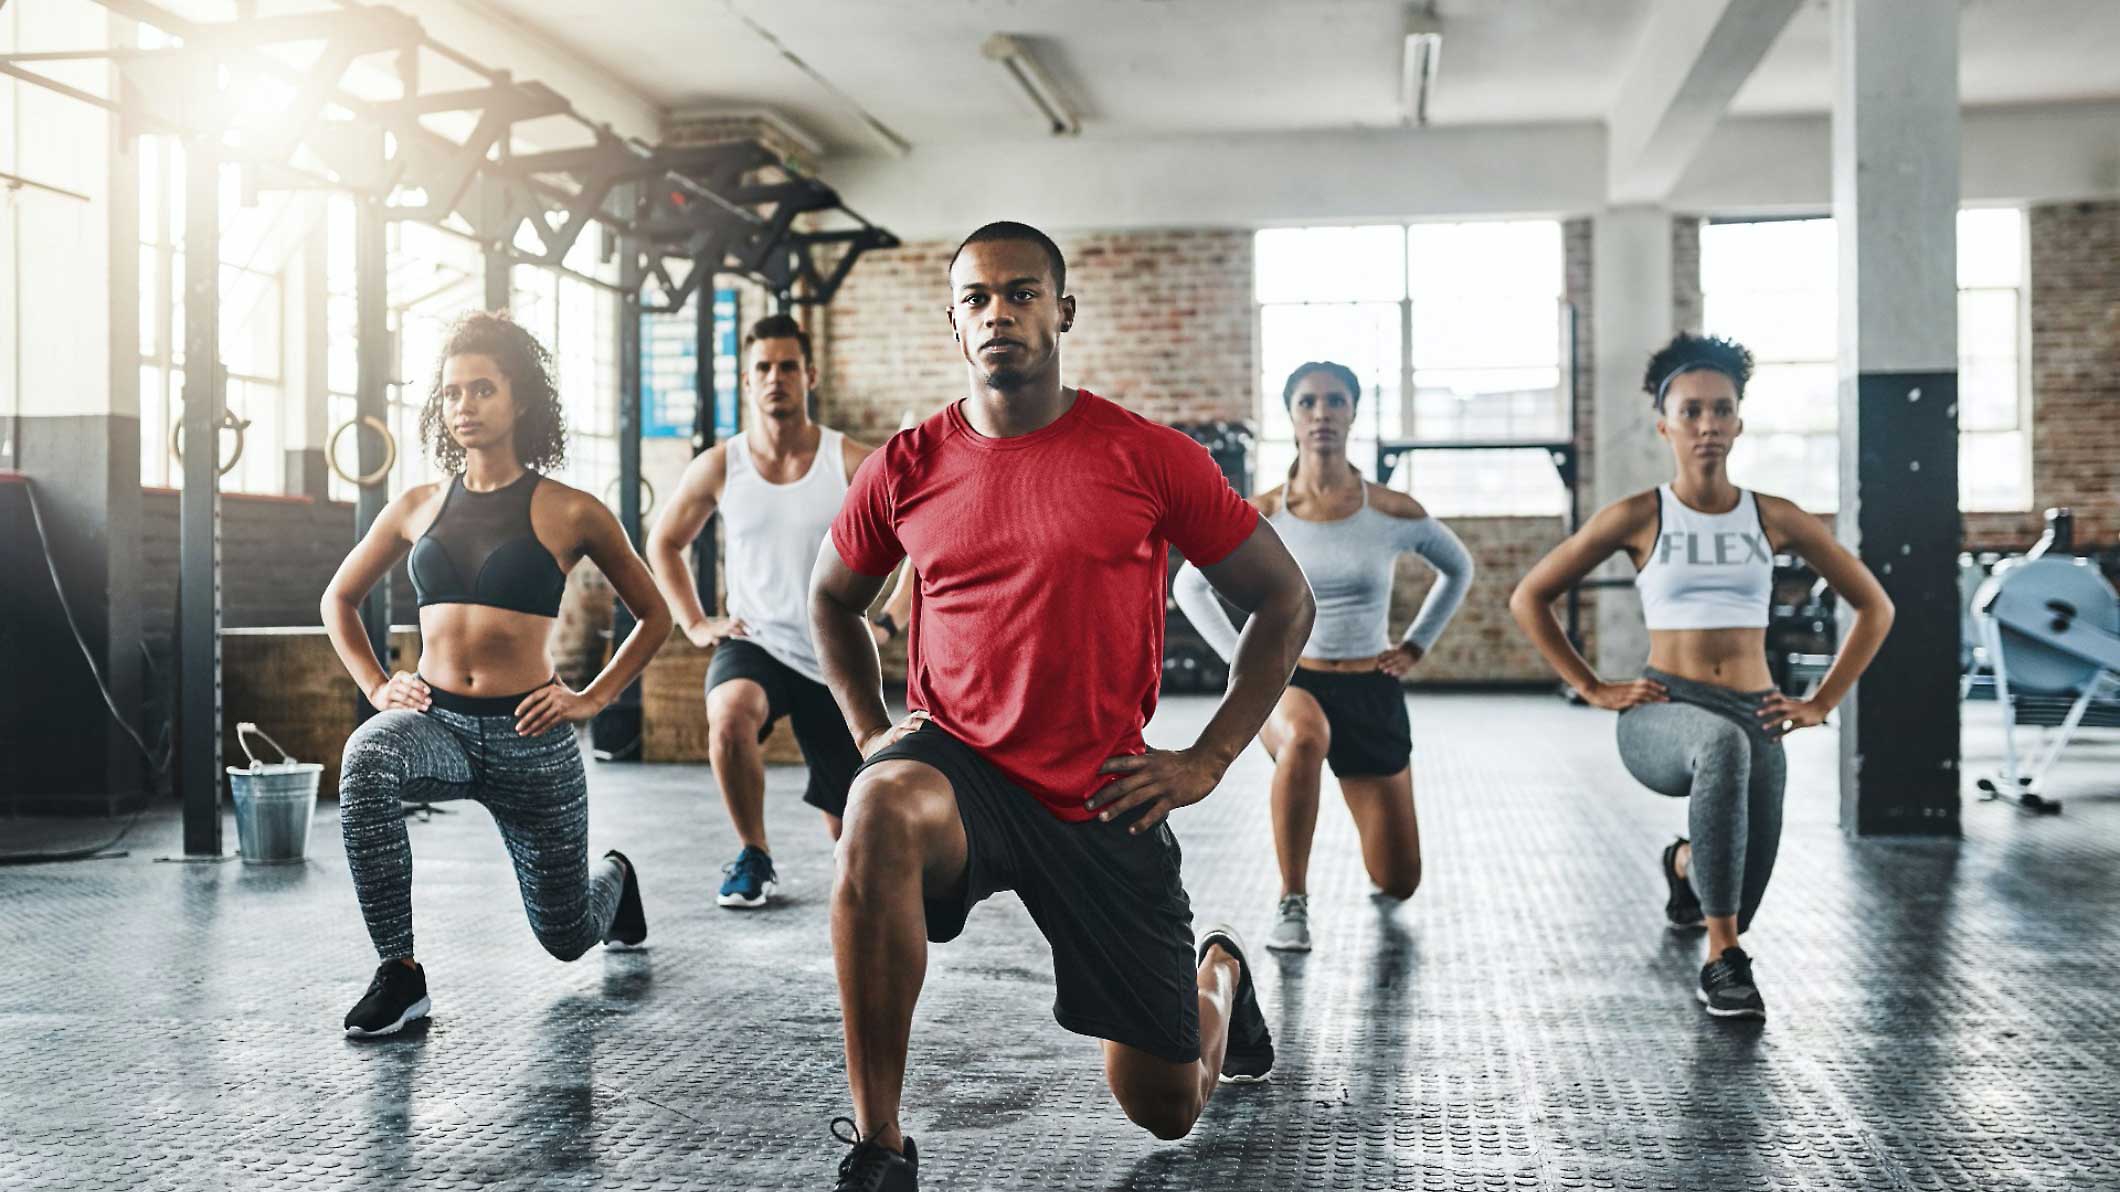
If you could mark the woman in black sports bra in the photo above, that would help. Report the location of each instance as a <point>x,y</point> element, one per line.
<point>485,718</point>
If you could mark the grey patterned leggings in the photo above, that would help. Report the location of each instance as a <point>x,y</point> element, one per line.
<point>534,786</point>
<point>1707,745</point>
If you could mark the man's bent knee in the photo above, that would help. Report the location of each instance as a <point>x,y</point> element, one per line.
<point>1169,1116</point>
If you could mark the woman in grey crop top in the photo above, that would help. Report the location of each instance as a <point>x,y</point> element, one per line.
<point>1344,705</point>
<point>485,719</point>
<point>1704,722</point>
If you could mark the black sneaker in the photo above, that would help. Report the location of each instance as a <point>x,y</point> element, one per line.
<point>870,1167</point>
<point>630,925</point>
<point>397,996</point>
<point>1248,1058</point>
<point>1726,987</point>
<point>1682,907</point>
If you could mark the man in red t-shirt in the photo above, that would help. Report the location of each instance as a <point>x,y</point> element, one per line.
<point>1038,519</point>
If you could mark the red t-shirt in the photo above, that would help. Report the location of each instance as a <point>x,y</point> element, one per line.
<point>1037,624</point>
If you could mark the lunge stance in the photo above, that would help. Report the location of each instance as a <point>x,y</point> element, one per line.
<point>1344,706</point>
<point>777,488</point>
<point>485,719</point>
<point>1704,721</point>
<point>1038,520</point>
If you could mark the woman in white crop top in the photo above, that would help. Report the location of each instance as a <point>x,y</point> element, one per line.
<point>1704,721</point>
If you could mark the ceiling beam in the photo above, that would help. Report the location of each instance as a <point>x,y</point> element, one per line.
<point>1693,57</point>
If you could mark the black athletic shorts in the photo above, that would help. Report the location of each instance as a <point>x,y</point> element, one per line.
<point>1371,735</point>
<point>1108,903</point>
<point>827,746</point>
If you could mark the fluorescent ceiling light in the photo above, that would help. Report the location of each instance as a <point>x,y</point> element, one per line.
<point>1423,57</point>
<point>1016,58</point>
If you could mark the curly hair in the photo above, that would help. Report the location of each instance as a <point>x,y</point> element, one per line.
<point>1689,353</point>
<point>1337,371</point>
<point>540,427</point>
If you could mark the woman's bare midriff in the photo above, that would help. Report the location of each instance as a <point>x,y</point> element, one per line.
<point>471,649</point>
<point>1339,665</point>
<point>1732,658</point>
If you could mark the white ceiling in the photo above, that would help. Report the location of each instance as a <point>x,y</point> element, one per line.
<point>1147,68</point>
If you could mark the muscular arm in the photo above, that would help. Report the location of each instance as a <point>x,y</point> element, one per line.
<point>606,545</point>
<point>900,605</point>
<point>839,596</point>
<point>1810,540</point>
<point>371,560</point>
<point>1608,533</point>
<point>686,514</point>
<point>1261,578</point>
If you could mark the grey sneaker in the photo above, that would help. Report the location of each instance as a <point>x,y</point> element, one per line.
<point>1727,989</point>
<point>1291,925</point>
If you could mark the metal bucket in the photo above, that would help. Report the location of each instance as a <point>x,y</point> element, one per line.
<point>274,803</point>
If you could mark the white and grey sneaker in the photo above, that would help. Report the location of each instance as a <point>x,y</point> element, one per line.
<point>1291,925</point>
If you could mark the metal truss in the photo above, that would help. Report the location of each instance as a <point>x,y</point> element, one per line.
<point>686,214</point>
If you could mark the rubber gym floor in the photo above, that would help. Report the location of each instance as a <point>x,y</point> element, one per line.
<point>1946,1014</point>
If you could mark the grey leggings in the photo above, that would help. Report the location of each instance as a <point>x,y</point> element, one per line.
<point>464,748</point>
<point>1707,744</point>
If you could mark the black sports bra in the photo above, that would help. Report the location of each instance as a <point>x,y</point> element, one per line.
<point>488,537</point>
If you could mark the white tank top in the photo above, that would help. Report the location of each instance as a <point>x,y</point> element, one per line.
<point>771,534</point>
<point>1707,570</point>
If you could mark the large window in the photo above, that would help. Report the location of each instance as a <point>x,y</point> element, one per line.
<point>257,236</point>
<point>1456,332</point>
<point>1774,287</point>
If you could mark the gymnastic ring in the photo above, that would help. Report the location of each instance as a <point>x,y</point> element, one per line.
<point>229,421</point>
<point>367,479</point>
<point>646,509</point>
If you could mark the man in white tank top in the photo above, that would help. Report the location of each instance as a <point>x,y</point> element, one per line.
<point>777,488</point>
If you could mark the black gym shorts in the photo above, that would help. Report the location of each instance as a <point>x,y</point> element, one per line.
<point>1366,710</point>
<point>827,747</point>
<point>1110,904</point>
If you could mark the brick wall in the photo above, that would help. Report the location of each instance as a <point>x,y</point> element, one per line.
<point>1164,327</point>
<point>2075,367</point>
<point>1483,643</point>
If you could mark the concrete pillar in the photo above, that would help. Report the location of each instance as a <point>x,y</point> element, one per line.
<point>1895,201</point>
<point>1631,287</point>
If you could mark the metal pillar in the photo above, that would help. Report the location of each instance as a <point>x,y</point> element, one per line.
<point>1895,201</point>
<point>704,556</point>
<point>617,732</point>
<point>371,298</point>
<point>199,509</point>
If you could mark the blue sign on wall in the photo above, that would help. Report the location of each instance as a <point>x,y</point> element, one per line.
<point>669,371</point>
<point>728,367</point>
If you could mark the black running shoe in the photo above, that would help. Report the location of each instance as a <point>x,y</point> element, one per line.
<point>630,925</point>
<point>870,1167</point>
<point>1248,1058</point>
<point>1726,987</point>
<point>1682,908</point>
<point>397,996</point>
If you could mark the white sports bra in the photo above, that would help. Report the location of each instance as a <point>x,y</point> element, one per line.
<point>1707,570</point>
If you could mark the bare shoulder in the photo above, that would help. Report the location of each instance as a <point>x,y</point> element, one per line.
<point>570,505</point>
<point>1786,520</point>
<point>1268,503</point>
<point>853,451</point>
<point>1628,515</point>
<point>1387,500</point>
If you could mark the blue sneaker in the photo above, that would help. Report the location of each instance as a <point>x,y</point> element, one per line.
<point>750,880</point>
